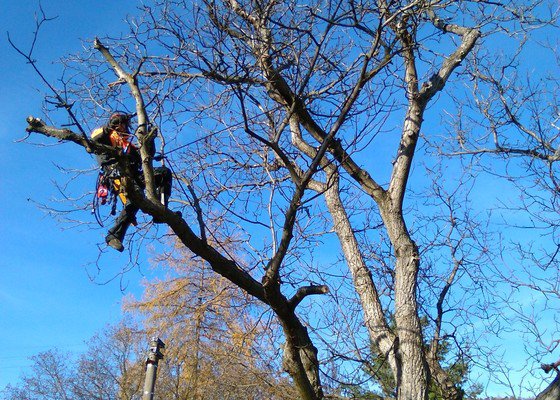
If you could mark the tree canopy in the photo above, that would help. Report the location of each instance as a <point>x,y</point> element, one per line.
<point>310,173</point>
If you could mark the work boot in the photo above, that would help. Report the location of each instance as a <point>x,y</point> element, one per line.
<point>115,243</point>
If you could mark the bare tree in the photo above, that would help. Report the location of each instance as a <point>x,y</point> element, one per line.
<point>113,367</point>
<point>297,107</point>
<point>507,126</point>
<point>110,369</point>
<point>219,341</point>
<point>49,379</point>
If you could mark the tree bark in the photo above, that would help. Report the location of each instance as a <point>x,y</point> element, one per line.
<point>412,369</point>
<point>552,392</point>
<point>374,317</point>
<point>300,360</point>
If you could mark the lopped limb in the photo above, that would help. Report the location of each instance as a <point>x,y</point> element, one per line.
<point>305,291</point>
<point>37,125</point>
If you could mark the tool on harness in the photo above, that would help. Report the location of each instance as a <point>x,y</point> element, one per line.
<point>102,193</point>
<point>110,183</point>
<point>108,188</point>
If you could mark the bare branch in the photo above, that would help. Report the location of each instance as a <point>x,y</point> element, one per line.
<point>305,291</point>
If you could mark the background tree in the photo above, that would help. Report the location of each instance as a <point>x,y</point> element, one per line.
<point>111,368</point>
<point>47,380</point>
<point>219,341</point>
<point>308,119</point>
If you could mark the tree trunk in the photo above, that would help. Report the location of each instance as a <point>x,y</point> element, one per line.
<point>374,317</point>
<point>447,389</point>
<point>552,392</point>
<point>300,359</point>
<point>412,368</point>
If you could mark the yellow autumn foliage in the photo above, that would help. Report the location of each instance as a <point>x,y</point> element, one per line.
<point>219,342</point>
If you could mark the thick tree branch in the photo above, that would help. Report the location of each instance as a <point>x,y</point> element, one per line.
<point>145,140</point>
<point>549,367</point>
<point>222,265</point>
<point>305,291</point>
<point>228,268</point>
<point>374,317</point>
<point>36,125</point>
<point>469,37</point>
<point>419,98</point>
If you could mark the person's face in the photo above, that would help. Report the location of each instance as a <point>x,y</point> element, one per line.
<point>121,127</point>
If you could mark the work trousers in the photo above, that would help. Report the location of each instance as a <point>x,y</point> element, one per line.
<point>127,216</point>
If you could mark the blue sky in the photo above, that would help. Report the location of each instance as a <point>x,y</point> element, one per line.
<point>47,298</point>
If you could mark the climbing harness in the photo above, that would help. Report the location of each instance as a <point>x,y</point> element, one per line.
<point>109,184</point>
<point>108,187</point>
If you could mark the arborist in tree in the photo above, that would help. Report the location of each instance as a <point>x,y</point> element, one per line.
<point>116,133</point>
